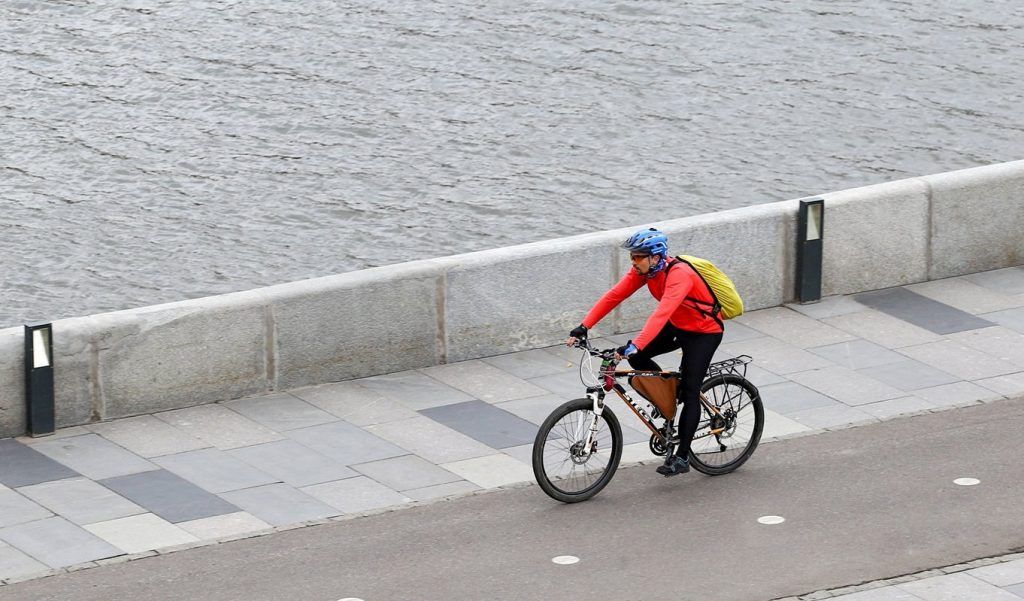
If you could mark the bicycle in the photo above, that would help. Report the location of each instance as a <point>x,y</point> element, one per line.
<point>579,446</point>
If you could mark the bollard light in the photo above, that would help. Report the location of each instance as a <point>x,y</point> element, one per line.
<point>810,234</point>
<point>39,378</point>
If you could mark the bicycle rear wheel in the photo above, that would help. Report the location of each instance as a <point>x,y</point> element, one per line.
<point>564,469</point>
<point>741,422</point>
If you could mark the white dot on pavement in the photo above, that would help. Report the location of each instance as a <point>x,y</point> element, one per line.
<point>771,519</point>
<point>565,560</point>
<point>350,599</point>
<point>966,481</point>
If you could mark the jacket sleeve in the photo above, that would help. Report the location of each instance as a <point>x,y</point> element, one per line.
<point>630,283</point>
<point>677,286</point>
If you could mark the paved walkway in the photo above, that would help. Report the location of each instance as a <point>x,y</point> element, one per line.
<point>193,476</point>
<point>989,579</point>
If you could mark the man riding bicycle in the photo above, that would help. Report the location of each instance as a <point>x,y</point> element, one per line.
<point>680,321</point>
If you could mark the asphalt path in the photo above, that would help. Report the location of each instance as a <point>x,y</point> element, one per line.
<point>860,504</point>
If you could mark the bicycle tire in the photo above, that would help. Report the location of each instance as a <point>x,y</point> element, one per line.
<point>727,391</point>
<point>548,477</point>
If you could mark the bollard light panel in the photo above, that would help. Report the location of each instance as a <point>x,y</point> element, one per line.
<point>809,249</point>
<point>39,397</point>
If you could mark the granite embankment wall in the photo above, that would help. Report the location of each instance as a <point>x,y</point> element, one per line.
<point>422,313</point>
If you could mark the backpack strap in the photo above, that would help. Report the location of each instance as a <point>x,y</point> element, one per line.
<point>716,307</point>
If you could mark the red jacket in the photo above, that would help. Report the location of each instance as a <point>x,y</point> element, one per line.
<point>670,287</point>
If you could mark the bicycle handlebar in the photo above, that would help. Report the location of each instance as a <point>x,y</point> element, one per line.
<point>606,354</point>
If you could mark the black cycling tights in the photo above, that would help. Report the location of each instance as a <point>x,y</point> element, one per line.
<point>698,349</point>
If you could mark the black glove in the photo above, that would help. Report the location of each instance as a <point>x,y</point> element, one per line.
<point>579,332</point>
<point>627,349</point>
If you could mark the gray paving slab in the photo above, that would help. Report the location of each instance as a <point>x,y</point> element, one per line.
<point>776,356</point>
<point>999,342</point>
<point>1010,385</point>
<point>486,423</point>
<point>857,354</point>
<point>1008,281</point>
<point>219,426</point>
<point>355,403</point>
<point>138,533</point>
<point>965,295</point>
<point>830,306</point>
<point>735,332</point>
<point>345,443</point>
<point>16,508</point>
<point>57,542</point>
<point>406,472</point>
<point>882,329</point>
<point>219,526</point>
<point>1016,589</point>
<point>788,397</point>
<point>535,409</point>
<point>292,463</point>
<point>793,327</point>
<point>565,385</point>
<point>831,416</point>
<point>921,311</point>
<point>483,381</point>
<point>451,489</point>
<point>961,361</point>
<point>81,501</point>
<point>280,412</point>
<point>1011,318</point>
<point>762,377</point>
<point>356,494</point>
<point>169,496</point>
<point>24,466</point>
<point>415,390</point>
<point>887,593</point>
<point>1001,574</point>
<point>15,564</point>
<point>94,456</point>
<point>147,436</point>
<point>901,406</point>
<point>909,375</point>
<point>956,394</point>
<point>844,384</point>
<point>280,504</point>
<point>956,587</point>
<point>527,364</point>
<point>434,442</point>
<point>214,470</point>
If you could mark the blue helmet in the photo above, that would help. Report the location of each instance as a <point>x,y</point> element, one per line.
<point>649,241</point>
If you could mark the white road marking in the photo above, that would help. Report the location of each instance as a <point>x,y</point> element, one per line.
<point>966,481</point>
<point>565,560</point>
<point>771,519</point>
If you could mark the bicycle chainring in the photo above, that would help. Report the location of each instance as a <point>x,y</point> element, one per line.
<point>657,445</point>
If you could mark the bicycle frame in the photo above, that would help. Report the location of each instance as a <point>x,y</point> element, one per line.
<point>608,376</point>
<point>611,377</point>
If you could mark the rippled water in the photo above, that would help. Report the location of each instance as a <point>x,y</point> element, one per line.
<point>153,151</point>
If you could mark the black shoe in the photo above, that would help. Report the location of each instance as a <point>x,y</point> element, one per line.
<point>674,465</point>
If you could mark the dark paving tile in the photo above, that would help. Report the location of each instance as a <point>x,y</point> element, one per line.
<point>21,465</point>
<point>171,497</point>
<point>490,425</point>
<point>921,311</point>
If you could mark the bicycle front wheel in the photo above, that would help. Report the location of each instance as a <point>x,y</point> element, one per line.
<point>725,440</point>
<point>564,468</point>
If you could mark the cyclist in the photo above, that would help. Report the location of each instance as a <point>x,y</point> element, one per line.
<point>676,323</point>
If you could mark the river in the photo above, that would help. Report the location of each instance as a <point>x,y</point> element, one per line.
<point>153,151</point>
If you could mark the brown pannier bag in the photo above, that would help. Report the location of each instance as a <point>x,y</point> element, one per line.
<point>659,390</point>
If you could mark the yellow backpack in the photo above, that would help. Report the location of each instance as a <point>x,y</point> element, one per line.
<point>727,299</point>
